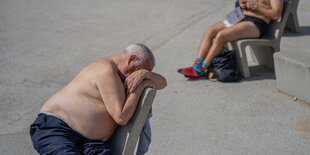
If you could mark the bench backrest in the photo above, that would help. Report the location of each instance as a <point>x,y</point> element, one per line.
<point>276,28</point>
<point>125,138</point>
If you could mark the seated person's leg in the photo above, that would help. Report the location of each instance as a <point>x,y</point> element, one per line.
<point>199,67</point>
<point>208,37</point>
<point>50,135</point>
<point>241,30</point>
<point>97,147</point>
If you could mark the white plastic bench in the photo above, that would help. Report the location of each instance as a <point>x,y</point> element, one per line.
<point>125,138</point>
<point>264,47</point>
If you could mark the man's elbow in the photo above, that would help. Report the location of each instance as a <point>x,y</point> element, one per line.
<point>162,84</point>
<point>121,121</point>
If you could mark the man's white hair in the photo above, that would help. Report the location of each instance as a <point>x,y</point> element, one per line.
<point>141,51</point>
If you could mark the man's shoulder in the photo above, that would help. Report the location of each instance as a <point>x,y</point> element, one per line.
<point>104,66</point>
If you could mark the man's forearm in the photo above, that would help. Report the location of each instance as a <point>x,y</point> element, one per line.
<point>132,102</point>
<point>158,80</point>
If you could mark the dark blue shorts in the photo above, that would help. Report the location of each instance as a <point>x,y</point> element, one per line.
<point>260,24</point>
<point>51,135</point>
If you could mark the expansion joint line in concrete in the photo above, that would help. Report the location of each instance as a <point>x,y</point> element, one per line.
<point>180,27</point>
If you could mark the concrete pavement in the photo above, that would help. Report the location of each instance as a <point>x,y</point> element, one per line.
<point>44,44</point>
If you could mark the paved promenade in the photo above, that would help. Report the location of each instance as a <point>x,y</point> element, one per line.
<point>44,44</point>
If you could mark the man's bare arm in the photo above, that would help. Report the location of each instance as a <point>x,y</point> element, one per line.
<point>133,80</point>
<point>134,97</point>
<point>159,81</point>
<point>112,92</point>
<point>273,13</point>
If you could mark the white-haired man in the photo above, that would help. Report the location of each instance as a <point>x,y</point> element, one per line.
<point>81,117</point>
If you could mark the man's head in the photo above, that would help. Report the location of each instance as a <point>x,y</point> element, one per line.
<point>139,57</point>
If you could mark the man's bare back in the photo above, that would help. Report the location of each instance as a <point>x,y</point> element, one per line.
<point>80,103</point>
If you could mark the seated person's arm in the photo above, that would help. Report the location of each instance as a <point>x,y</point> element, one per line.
<point>273,13</point>
<point>113,95</point>
<point>133,80</point>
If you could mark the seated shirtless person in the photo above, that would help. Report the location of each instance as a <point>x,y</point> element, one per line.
<point>258,13</point>
<point>81,117</point>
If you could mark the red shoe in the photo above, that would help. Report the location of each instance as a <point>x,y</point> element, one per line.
<point>189,72</point>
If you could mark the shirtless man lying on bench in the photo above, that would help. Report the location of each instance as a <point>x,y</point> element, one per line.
<point>82,116</point>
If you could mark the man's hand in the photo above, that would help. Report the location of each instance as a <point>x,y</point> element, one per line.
<point>134,79</point>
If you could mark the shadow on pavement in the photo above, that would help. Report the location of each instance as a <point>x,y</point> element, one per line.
<point>257,73</point>
<point>304,31</point>
<point>261,73</point>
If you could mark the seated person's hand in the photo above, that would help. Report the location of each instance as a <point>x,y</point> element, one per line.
<point>134,79</point>
<point>243,4</point>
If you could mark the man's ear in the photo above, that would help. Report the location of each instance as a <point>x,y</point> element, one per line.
<point>132,59</point>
